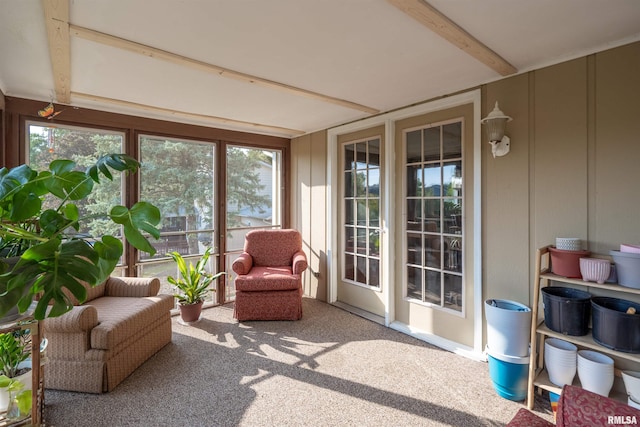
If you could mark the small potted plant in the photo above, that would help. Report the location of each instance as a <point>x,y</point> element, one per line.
<point>192,285</point>
<point>20,400</point>
<point>13,353</point>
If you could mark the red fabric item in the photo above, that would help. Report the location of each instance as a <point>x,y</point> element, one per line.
<point>525,418</point>
<point>269,281</point>
<point>578,407</point>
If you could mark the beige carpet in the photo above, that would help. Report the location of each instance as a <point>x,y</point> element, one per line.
<point>332,368</point>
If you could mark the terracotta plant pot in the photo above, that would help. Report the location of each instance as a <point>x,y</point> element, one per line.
<point>567,263</point>
<point>190,312</point>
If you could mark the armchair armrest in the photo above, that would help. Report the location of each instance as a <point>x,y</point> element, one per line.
<point>242,264</point>
<point>299,262</point>
<point>132,286</point>
<point>80,318</point>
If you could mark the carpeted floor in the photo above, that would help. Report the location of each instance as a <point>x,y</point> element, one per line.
<point>332,368</point>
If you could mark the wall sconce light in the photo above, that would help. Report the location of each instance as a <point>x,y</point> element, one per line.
<point>496,122</point>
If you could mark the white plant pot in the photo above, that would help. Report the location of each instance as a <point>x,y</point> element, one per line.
<point>632,384</point>
<point>595,371</point>
<point>560,361</point>
<point>508,327</point>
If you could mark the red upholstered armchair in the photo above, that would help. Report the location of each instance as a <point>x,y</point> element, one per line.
<point>269,281</point>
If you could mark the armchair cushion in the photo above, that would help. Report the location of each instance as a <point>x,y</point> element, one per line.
<point>268,279</point>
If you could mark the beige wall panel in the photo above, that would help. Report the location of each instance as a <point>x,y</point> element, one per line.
<point>560,152</point>
<point>319,213</point>
<point>505,196</point>
<point>616,215</point>
<point>308,210</point>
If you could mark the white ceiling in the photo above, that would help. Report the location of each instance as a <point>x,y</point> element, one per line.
<point>366,52</point>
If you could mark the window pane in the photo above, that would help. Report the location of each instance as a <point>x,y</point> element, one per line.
<point>361,155</point>
<point>452,140</point>
<point>374,153</point>
<point>414,283</point>
<point>361,238</point>
<point>433,287</point>
<point>348,184</point>
<point>452,179</point>
<point>453,292</point>
<point>432,215</point>
<point>178,177</point>
<point>349,270</point>
<point>349,157</point>
<point>414,181</point>
<point>374,272</point>
<point>373,183</point>
<point>432,144</point>
<point>83,146</point>
<point>452,216</point>
<point>414,214</point>
<point>374,213</point>
<point>414,249</point>
<point>414,147</point>
<point>348,212</point>
<point>453,261</point>
<point>432,180</point>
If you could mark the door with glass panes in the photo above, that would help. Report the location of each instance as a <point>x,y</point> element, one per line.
<point>433,209</point>
<point>360,184</point>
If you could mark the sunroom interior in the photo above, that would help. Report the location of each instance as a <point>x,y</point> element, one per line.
<point>339,95</point>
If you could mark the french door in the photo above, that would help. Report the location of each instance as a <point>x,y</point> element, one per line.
<point>360,263</point>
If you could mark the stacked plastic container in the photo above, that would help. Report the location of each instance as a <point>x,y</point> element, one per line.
<point>508,332</point>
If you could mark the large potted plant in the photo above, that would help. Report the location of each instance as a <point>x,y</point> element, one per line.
<point>192,285</point>
<point>47,253</point>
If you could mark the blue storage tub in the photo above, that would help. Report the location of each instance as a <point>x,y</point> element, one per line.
<point>509,375</point>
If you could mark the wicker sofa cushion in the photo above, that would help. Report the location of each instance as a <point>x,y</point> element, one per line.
<point>120,318</point>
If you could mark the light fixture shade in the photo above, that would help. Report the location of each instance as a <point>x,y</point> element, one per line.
<point>496,122</point>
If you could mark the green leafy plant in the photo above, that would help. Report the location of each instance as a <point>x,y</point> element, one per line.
<point>23,398</point>
<point>53,255</point>
<point>194,281</point>
<point>12,352</point>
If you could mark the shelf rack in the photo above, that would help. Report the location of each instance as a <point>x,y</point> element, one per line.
<point>537,374</point>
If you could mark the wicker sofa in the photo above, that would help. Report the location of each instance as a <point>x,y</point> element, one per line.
<point>96,345</point>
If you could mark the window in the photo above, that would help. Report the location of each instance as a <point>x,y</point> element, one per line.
<point>362,213</point>
<point>178,176</point>
<point>434,232</point>
<point>84,146</point>
<point>254,197</point>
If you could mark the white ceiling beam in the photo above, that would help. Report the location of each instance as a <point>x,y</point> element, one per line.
<point>220,120</point>
<point>56,14</point>
<point>113,41</point>
<point>435,21</point>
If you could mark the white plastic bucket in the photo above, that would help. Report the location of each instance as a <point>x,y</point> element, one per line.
<point>508,327</point>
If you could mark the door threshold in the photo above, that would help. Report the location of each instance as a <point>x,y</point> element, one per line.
<point>359,312</point>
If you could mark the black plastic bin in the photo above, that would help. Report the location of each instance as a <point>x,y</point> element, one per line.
<point>613,327</point>
<point>566,310</point>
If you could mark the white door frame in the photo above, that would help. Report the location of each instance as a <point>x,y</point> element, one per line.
<point>387,217</point>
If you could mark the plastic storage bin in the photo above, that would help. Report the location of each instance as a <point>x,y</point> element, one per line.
<point>613,327</point>
<point>566,310</point>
